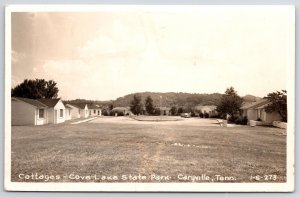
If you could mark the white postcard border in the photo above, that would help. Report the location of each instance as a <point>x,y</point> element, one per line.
<point>148,187</point>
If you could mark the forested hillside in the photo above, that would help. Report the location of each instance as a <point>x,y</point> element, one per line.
<point>168,99</point>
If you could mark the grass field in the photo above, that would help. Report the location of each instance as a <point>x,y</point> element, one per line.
<point>150,150</point>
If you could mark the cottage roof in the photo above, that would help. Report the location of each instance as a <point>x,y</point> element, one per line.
<point>33,102</point>
<point>49,102</point>
<point>206,107</point>
<point>121,108</point>
<point>93,106</point>
<point>257,104</point>
<point>78,105</point>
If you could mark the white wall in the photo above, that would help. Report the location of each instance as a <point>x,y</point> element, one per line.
<point>41,121</point>
<point>74,112</point>
<point>26,114</point>
<point>50,117</point>
<point>270,117</point>
<point>68,114</point>
<point>58,107</point>
<point>22,113</point>
<point>251,114</point>
<point>94,112</point>
<point>84,113</point>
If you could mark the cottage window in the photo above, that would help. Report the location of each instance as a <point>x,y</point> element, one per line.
<point>41,113</point>
<point>94,111</point>
<point>61,113</point>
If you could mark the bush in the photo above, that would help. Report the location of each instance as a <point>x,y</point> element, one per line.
<point>156,112</point>
<point>118,112</point>
<point>105,112</point>
<point>239,120</point>
<point>201,115</point>
<point>206,115</point>
<point>193,114</point>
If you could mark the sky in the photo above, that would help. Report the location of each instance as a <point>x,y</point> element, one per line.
<point>107,54</point>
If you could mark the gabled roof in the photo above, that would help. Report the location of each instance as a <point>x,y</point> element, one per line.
<point>206,107</point>
<point>49,102</point>
<point>93,106</point>
<point>33,102</point>
<point>257,104</point>
<point>78,105</point>
<point>121,109</point>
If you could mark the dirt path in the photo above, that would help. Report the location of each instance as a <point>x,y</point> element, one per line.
<point>181,121</point>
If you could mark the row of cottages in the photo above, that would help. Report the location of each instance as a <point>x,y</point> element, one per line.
<point>25,111</point>
<point>256,111</point>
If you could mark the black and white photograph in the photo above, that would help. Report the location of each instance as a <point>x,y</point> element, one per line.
<point>150,98</point>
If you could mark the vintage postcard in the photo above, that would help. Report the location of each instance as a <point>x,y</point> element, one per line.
<point>149,98</point>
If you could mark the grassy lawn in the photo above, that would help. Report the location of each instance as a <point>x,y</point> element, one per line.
<point>163,150</point>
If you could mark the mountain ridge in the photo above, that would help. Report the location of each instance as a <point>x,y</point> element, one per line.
<point>168,99</point>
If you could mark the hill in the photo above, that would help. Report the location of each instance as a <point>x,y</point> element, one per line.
<point>168,99</point>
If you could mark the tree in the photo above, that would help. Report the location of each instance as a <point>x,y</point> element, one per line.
<point>149,105</point>
<point>110,107</point>
<point>136,105</point>
<point>35,89</point>
<point>173,111</point>
<point>278,103</point>
<point>230,103</point>
<point>180,110</point>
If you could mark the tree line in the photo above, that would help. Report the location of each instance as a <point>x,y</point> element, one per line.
<point>228,104</point>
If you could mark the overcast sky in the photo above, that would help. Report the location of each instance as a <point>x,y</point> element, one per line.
<point>106,55</point>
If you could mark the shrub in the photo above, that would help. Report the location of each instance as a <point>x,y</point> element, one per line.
<point>206,115</point>
<point>201,115</point>
<point>156,112</point>
<point>239,120</point>
<point>193,114</point>
<point>118,112</point>
<point>105,112</point>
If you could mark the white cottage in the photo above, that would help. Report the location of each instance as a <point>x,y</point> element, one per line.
<point>56,110</point>
<point>82,109</point>
<point>68,112</point>
<point>256,111</point>
<point>25,111</point>
<point>74,111</point>
<point>94,110</point>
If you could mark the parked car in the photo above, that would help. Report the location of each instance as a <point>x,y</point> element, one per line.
<point>185,115</point>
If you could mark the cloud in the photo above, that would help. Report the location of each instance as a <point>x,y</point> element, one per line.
<point>17,57</point>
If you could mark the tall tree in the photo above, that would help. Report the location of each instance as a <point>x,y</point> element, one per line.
<point>173,110</point>
<point>278,103</point>
<point>149,105</point>
<point>35,89</point>
<point>230,103</point>
<point>136,106</point>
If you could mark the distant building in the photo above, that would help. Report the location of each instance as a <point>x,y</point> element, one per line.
<point>82,109</point>
<point>211,110</point>
<point>94,110</point>
<point>124,110</point>
<point>164,110</point>
<point>74,111</point>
